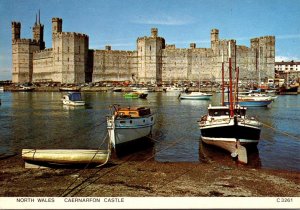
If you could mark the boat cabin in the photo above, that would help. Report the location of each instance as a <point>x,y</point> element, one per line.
<point>218,111</point>
<point>133,112</point>
<point>74,96</point>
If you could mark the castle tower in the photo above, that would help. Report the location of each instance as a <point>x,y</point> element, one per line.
<point>214,38</point>
<point>149,51</point>
<point>38,32</point>
<point>22,53</point>
<point>154,32</point>
<point>263,54</point>
<point>56,25</point>
<point>16,30</point>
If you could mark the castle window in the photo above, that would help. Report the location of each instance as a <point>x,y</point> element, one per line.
<point>68,59</point>
<point>150,48</point>
<point>57,49</point>
<point>79,49</point>
<point>68,49</point>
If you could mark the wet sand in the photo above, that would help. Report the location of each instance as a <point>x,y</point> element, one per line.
<point>133,177</point>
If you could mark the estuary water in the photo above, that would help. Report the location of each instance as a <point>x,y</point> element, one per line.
<point>40,120</point>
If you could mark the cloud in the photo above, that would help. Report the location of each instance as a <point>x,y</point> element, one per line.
<point>164,20</point>
<point>285,58</point>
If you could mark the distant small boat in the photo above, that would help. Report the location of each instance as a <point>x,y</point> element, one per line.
<point>73,99</point>
<point>140,89</point>
<point>73,88</point>
<point>259,96</point>
<point>127,124</point>
<point>253,102</point>
<point>65,156</point>
<point>135,95</point>
<point>24,88</point>
<point>289,90</point>
<point>173,89</point>
<point>195,96</point>
<point>1,88</point>
<point>117,89</point>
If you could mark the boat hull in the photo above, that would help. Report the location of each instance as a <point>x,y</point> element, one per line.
<point>64,156</point>
<point>260,103</point>
<point>73,89</point>
<point>122,131</point>
<point>73,103</point>
<point>246,134</point>
<point>195,97</point>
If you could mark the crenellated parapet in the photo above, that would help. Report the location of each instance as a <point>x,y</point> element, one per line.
<point>70,35</point>
<point>24,41</point>
<point>42,54</point>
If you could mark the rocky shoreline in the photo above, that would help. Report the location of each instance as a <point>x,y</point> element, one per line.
<point>139,178</point>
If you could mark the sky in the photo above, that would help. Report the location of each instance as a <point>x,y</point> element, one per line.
<point>120,22</point>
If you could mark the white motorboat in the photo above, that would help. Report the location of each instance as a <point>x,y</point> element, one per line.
<point>129,124</point>
<point>195,96</point>
<point>73,99</point>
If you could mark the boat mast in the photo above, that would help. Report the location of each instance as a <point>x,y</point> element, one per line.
<point>222,79</point>
<point>259,67</point>
<point>230,83</point>
<point>237,84</point>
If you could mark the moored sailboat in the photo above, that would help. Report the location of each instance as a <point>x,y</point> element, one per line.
<point>228,127</point>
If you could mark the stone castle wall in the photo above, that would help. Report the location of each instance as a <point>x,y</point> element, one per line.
<point>43,66</point>
<point>113,65</point>
<point>71,61</point>
<point>22,54</point>
<point>70,57</point>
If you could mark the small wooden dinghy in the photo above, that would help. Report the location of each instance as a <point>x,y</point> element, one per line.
<point>65,156</point>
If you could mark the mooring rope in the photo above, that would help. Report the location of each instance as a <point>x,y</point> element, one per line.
<point>279,131</point>
<point>87,165</point>
<point>124,162</point>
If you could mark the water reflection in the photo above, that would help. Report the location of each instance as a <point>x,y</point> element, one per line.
<point>209,153</point>
<point>39,120</point>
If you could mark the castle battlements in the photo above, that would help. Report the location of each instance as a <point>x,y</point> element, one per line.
<point>24,41</point>
<point>70,34</point>
<point>113,52</point>
<point>45,50</point>
<point>16,24</point>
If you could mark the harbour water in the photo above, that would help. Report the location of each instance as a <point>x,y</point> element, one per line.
<point>39,120</point>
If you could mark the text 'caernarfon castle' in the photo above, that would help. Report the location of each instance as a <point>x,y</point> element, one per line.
<point>71,61</point>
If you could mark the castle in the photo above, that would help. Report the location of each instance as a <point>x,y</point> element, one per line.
<point>71,61</point>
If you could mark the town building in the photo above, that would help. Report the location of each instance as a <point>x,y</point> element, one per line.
<point>70,60</point>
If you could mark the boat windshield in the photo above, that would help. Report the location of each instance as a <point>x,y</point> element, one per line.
<point>75,96</point>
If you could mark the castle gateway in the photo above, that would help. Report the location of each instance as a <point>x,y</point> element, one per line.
<point>71,61</point>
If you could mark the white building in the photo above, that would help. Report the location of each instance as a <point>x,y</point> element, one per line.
<point>287,66</point>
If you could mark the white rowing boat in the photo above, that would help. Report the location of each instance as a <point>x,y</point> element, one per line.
<point>65,156</point>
